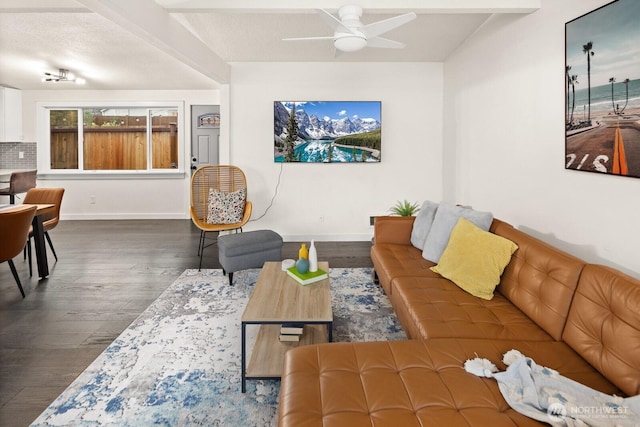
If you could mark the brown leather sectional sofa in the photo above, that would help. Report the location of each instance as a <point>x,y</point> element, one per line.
<point>582,320</point>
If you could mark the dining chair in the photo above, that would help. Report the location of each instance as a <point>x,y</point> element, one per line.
<point>39,196</point>
<point>218,201</point>
<point>14,229</point>
<point>19,182</point>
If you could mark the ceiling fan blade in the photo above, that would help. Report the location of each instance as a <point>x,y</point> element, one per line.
<point>376,28</point>
<point>384,43</point>
<point>335,24</point>
<point>308,38</point>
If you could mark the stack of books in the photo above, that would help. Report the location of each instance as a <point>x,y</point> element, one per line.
<point>308,277</point>
<point>291,331</point>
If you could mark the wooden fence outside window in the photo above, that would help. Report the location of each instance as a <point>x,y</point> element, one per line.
<point>118,147</point>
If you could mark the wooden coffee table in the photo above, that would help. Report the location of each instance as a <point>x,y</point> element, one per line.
<point>278,299</point>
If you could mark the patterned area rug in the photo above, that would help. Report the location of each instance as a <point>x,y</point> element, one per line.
<point>179,362</point>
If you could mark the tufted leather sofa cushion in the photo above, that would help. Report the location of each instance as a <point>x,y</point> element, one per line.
<point>393,229</point>
<point>540,280</point>
<point>396,260</point>
<point>604,325</point>
<point>411,383</point>
<point>393,254</point>
<point>430,308</point>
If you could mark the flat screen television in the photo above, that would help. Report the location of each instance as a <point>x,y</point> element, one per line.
<point>327,131</point>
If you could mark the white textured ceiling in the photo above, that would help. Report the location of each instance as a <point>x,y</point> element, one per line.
<point>258,37</point>
<point>136,44</point>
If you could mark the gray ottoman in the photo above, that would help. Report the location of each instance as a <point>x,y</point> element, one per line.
<point>250,249</point>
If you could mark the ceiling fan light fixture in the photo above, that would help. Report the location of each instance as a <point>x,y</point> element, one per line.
<point>350,42</point>
<point>350,34</point>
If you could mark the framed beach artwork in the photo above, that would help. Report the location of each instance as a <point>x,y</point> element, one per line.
<point>327,131</point>
<point>602,90</point>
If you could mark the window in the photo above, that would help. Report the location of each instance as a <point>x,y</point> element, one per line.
<point>64,139</point>
<point>113,138</point>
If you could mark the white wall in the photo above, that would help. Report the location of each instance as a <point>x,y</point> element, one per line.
<point>122,198</point>
<point>334,201</point>
<point>504,140</point>
<point>321,201</point>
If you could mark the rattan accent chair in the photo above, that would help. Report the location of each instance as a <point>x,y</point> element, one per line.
<point>14,229</point>
<point>39,196</point>
<point>215,180</point>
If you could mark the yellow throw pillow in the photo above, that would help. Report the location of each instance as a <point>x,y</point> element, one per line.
<point>474,259</point>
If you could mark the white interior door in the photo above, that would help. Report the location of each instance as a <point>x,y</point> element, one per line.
<point>205,135</point>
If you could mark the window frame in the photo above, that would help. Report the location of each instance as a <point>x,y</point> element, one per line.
<point>44,141</point>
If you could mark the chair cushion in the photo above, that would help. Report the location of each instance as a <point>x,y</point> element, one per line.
<point>226,207</point>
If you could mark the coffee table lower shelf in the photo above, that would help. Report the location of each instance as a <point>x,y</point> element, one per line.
<point>268,351</point>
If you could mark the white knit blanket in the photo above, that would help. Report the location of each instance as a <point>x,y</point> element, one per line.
<point>545,395</point>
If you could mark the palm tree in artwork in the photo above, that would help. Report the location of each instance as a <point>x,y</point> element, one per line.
<point>612,80</point>
<point>567,69</point>
<point>626,101</point>
<point>616,109</point>
<point>587,49</point>
<point>574,82</point>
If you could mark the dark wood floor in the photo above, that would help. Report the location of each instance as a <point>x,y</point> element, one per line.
<point>108,272</point>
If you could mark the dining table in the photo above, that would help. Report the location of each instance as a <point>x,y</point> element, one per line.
<point>38,234</point>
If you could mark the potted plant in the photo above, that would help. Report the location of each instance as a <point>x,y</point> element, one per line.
<point>404,208</point>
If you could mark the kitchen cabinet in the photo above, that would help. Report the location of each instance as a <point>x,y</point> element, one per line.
<point>10,115</point>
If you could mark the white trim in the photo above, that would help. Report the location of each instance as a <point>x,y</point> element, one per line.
<point>112,175</point>
<point>121,216</point>
<point>44,140</point>
<point>327,237</point>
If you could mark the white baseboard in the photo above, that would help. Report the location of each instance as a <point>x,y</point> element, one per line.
<point>328,238</point>
<point>286,237</point>
<point>122,216</point>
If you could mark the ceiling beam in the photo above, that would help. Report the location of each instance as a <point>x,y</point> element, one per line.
<point>150,21</point>
<point>263,6</point>
<point>46,6</point>
<point>370,6</point>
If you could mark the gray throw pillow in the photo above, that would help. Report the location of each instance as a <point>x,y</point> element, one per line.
<point>422,223</point>
<point>446,218</point>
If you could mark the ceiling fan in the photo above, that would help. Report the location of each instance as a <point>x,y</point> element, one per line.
<point>350,35</point>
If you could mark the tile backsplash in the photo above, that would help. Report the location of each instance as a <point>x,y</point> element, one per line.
<point>10,155</point>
